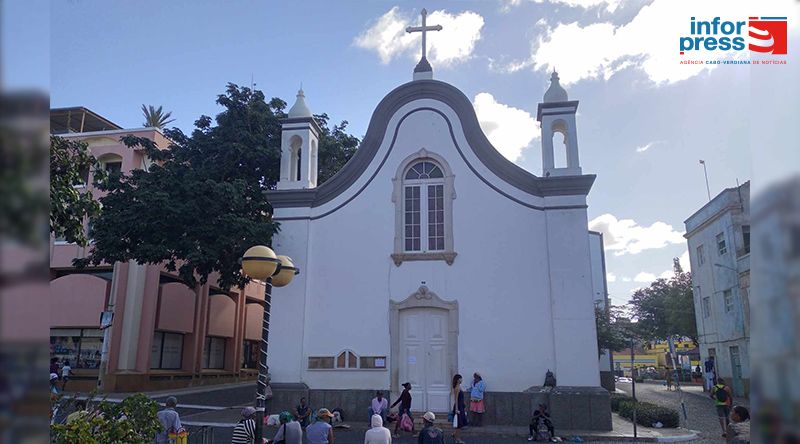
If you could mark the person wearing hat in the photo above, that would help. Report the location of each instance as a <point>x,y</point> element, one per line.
<point>540,416</point>
<point>245,430</point>
<point>169,419</point>
<point>405,408</point>
<point>289,431</point>
<point>320,431</point>
<point>54,383</point>
<point>430,434</point>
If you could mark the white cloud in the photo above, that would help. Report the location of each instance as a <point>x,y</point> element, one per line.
<point>644,277</point>
<point>611,5</point>
<point>626,279</point>
<point>610,277</point>
<point>684,261</point>
<point>668,274</point>
<point>649,42</point>
<point>455,43</point>
<point>625,236</point>
<point>509,129</point>
<point>647,146</point>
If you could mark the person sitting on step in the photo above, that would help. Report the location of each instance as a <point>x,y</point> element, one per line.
<point>540,416</point>
<point>379,406</point>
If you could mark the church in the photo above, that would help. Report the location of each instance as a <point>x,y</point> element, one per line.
<point>430,254</point>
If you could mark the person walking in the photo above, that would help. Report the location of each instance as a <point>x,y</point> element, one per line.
<point>66,372</point>
<point>722,396</point>
<point>303,413</point>
<point>245,430</point>
<point>169,419</point>
<point>405,408</point>
<point>459,408</point>
<point>738,431</point>
<point>379,406</point>
<point>476,406</point>
<point>378,434</point>
<point>429,433</point>
<point>320,431</point>
<point>710,373</point>
<point>289,432</point>
<point>54,385</point>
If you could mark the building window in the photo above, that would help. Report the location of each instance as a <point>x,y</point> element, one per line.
<point>423,197</point>
<point>82,347</point>
<point>347,359</point>
<point>722,248</point>
<point>706,307</point>
<point>701,257</point>
<point>746,238</point>
<point>320,362</point>
<point>250,352</point>
<point>167,351</point>
<point>727,296</point>
<point>424,207</point>
<point>368,362</point>
<point>214,353</point>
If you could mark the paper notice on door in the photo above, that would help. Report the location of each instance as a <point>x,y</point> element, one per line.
<point>412,360</point>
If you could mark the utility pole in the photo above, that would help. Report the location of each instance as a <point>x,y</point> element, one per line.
<point>705,171</point>
<point>103,368</point>
<point>673,357</point>
<point>633,391</point>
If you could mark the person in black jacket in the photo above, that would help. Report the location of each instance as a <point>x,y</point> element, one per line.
<point>405,407</point>
<point>540,416</point>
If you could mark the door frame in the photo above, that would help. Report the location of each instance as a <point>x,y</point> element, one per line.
<point>422,298</point>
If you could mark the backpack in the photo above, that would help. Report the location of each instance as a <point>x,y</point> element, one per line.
<point>720,394</point>
<point>406,423</point>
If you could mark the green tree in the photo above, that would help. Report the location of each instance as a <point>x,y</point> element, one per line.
<point>156,117</point>
<point>132,421</point>
<point>666,307</point>
<point>203,201</point>
<point>336,147</point>
<point>70,164</point>
<point>613,329</point>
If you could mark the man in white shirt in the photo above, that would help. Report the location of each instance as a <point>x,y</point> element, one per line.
<point>379,406</point>
<point>169,419</point>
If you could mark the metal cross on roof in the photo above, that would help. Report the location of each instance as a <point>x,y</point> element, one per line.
<point>424,30</point>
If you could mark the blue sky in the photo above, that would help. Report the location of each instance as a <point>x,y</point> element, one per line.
<point>644,120</point>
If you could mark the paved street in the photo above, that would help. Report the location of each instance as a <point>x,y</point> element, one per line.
<point>699,407</point>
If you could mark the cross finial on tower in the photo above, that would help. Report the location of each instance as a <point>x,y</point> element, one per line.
<point>423,66</point>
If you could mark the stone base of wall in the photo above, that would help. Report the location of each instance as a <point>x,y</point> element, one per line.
<point>607,381</point>
<point>572,408</point>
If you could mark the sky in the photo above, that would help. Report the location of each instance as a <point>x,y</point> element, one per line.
<point>644,120</point>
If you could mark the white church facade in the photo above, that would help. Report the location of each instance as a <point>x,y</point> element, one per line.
<point>431,254</point>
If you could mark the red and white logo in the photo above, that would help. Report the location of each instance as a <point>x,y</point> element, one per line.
<point>767,34</point>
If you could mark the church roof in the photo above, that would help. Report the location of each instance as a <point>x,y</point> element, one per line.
<point>556,93</point>
<point>477,142</point>
<point>300,109</point>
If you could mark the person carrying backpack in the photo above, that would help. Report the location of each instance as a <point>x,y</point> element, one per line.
<point>722,396</point>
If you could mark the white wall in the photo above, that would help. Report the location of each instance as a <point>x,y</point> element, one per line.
<point>501,277</point>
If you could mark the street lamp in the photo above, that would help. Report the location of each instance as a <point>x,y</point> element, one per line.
<point>260,262</point>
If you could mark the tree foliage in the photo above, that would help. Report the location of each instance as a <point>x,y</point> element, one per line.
<point>156,117</point>
<point>666,307</point>
<point>336,147</point>
<point>203,201</point>
<point>70,163</point>
<point>614,329</point>
<point>133,421</point>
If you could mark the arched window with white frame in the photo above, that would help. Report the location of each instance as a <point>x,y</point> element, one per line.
<point>423,207</point>
<point>423,198</point>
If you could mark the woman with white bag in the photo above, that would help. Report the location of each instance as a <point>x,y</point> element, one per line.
<point>459,408</point>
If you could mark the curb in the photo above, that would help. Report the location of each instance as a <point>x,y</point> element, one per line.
<point>681,438</point>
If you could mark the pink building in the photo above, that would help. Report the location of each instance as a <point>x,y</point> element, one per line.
<point>164,334</point>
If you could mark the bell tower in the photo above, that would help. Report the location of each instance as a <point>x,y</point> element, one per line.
<point>299,145</point>
<point>556,114</point>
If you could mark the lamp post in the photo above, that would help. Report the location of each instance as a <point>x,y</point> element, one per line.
<point>260,262</point>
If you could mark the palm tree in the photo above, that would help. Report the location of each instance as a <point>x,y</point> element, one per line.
<point>155,117</point>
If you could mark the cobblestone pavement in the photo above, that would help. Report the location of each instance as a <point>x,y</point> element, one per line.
<point>699,407</point>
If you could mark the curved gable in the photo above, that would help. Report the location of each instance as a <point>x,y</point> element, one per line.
<point>477,141</point>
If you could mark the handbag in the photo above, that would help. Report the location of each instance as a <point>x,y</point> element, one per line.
<point>406,424</point>
<point>180,436</point>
